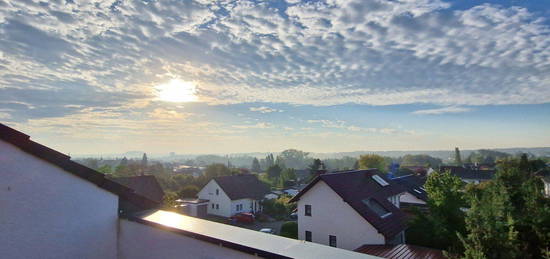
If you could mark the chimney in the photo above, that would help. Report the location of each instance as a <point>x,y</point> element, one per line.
<point>322,169</point>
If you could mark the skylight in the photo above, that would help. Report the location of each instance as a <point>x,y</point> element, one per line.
<point>376,207</point>
<point>417,191</point>
<point>379,180</point>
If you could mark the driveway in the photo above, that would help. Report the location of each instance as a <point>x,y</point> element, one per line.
<point>257,225</point>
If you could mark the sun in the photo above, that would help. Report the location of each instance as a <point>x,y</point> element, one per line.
<point>177,91</point>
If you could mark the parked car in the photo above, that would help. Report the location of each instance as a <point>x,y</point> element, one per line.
<point>243,217</point>
<point>293,215</point>
<point>267,230</point>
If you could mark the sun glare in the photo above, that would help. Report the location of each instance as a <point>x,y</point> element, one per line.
<point>176,91</point>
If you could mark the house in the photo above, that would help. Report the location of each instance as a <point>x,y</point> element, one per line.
<point>469,174</point>
<point>415,194</point>
<point>52,207</point>
<point>232,194</point>
<point>146,186</point>
<point>350,209</point>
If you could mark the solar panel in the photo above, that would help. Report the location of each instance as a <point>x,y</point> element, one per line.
<point>379,180</point>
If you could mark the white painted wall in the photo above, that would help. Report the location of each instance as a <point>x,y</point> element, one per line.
<point>332,216</point>
<point>208,192</point>
<point>138,241</point>
<point>409,198</point>
<point>249,205</point>
<point>46,212</point>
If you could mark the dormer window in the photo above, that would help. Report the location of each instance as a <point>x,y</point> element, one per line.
<point>376,207</point>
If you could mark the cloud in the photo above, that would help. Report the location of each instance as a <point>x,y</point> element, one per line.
<point>110,54</point>
<point>264,109</point>
<point>260,125</point>
<point>338,124</point>
<point>449,109</point>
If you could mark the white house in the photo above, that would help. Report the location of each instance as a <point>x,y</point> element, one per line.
<point>350,209</point>
<point>229,195</point>
<point>52,207</point>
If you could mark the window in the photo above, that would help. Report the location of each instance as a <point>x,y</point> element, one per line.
<point>308,236</point>
<point>239,207</point>
<point>217,191</point>
<point>212,205</point>
<point>307,210</point>
<point>217,206</point>
<point>377,207</point>
<point>332,240</point>
<point>379,180</point>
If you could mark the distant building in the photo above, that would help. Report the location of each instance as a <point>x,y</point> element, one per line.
<point>229,195</point>
<point>469,174</point>
<point>350,209</point>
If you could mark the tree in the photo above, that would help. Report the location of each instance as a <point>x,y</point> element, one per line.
<point>256,168</point>
<point>105,169</point>
<point>445,219</point>
<point>274,171</point>
<point>189,191</point>
<point>315,166</point>
<point>293,158</point>
<point>287,178</point>
<point>144,161</point>
<point>372,161</point>
<point>289,229</point>
<point>215,170</point>
<point>420,160</point>
<point>458,159</point>
<point>510,217</point>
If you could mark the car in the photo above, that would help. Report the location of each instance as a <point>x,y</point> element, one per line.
<point>293,215</point>
<point>267,230</point>
<point>243,217</point>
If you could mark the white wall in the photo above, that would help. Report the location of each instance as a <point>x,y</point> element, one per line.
<point>139,241</point>
<point>332,216</point>
<point>409,198</point>
<point>208,192</point>
<point>46,212</point>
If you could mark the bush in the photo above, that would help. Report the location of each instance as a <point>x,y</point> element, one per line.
<point>290,229</point>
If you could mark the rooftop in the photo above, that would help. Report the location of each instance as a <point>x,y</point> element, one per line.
<point>401,251</point>
<point>414,185</point>
<point>242,186</point>
<point>468,173</point>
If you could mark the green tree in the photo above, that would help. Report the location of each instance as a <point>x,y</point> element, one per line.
<point>445,219</point>
<point>274,171</point>
<point>293,158</point>
<point>105,169</point>
<point>372,161</point>
<point>420,160</point>
<point>510,217</point>
<point>287,178</point>
<point>215,170</point>
<point>188,191</point>
<point>289,229</point>
<point>256,168</point>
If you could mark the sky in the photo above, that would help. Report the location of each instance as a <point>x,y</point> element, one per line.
<point>185,76</point>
